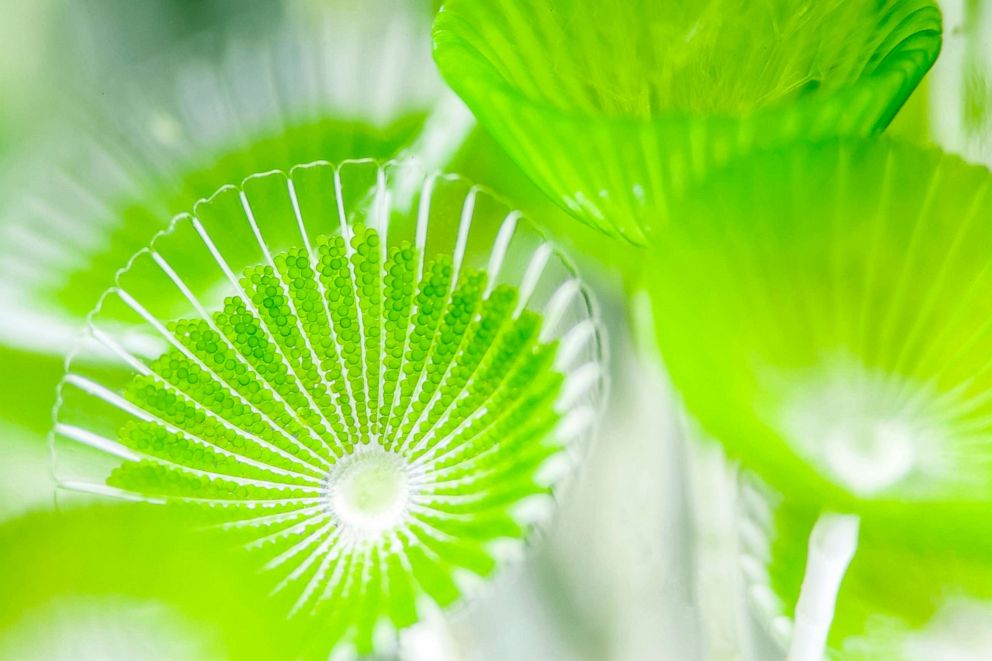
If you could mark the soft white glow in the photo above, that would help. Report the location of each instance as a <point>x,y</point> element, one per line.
<point>870,455</point>
<point>369,492</point>
<point>871,432</point>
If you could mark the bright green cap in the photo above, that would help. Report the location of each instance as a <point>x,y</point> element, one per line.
<point>614,108</point>
<point>824,312</point>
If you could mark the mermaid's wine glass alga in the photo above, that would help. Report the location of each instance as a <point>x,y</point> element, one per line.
<point>377,387</point>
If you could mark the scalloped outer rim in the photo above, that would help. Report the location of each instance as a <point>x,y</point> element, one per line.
<point>534,133</point>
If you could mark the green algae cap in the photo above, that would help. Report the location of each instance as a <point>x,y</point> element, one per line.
<point>824,311</point>
<point>614,108</point>
<point>375,377</point>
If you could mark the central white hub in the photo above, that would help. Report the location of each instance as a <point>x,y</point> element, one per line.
<point>871,455</point>
<point>871,431</point>
<point>369,492</point>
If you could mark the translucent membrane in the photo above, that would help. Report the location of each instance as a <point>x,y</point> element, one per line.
<point>614,108</point>
<point>324,83</point>
<point>375,377</point>
<point>824,312</point>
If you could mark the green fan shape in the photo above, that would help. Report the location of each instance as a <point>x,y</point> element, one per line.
<point>614,108</point>
<point>824,311</point>
<point>377,404</point>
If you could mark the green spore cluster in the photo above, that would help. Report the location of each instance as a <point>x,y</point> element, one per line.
<point>366,420</point>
